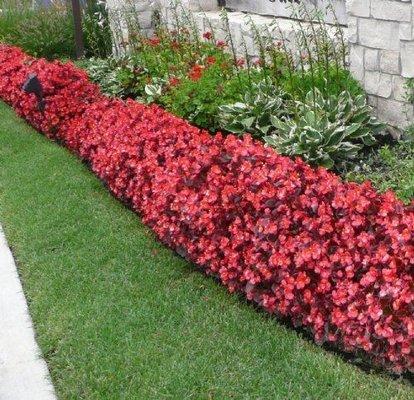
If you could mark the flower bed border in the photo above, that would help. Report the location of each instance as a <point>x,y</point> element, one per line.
<point>335,257</point>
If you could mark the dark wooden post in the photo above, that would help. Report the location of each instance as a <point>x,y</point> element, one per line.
<point>77,19</point>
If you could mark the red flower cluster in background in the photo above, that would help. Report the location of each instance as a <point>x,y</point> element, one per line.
<point>335,257</point>
<point>196,72</point>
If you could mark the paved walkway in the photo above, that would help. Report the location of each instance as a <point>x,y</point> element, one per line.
<point>23,374</point>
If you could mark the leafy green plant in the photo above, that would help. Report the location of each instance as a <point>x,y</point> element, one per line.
<point>199,100</point>
<point>117,76</point>
<point>96,30</point>
<point>326,131</point>
<point>254,112</point>
<point>328,81</point>
<point>389,167</point>
<point>42,32</point>
<point>153,91</point>
<point>104,72</point>
<point>409,88</point>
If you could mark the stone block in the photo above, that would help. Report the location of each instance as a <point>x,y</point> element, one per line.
<point>377,83</point>
<point>145,19</point>
<point>399,89</point>
<point>390,61</point>
<point>372,101</point>
<point>379,34</point>
<point>356,55</point>
<point>196,5</point>
<point>371,61</point>
<point>359,8</point>
<point>285,9</point>
<point>407,59</point>
<point>391,10</point>
<point>396,113</point>
<point>352,29</point>
<point>406,31</point>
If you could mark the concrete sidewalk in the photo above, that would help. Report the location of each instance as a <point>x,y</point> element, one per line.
<point>23,373</point>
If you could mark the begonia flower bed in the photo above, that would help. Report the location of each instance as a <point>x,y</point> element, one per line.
<point>334,257</point>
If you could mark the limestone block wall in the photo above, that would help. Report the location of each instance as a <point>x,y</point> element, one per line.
<point>129,12</point>
<point>381,41</point>
<point>207,15</point>
<point>284,8</point>
<point>380,35</point>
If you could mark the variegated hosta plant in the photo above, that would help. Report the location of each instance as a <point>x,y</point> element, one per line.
<point>326,131</point>
<point>253,114</point>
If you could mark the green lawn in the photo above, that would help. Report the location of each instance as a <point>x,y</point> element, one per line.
<point>118,316</point>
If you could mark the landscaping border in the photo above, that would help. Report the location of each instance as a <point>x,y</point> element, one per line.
<point>332,256</point>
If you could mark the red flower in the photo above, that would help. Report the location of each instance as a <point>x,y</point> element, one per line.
<point>154,41</point>
<point>174,81</point>
<point>210,60</point>
<point>333,256</point>
<point>207,35</point>
<point>196,72</point>
<point>221,44</point>
<point>240,62</point>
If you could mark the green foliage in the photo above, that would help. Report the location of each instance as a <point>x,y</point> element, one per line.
<point>199,100</point>
<point>253,113</point>
<point>42,32</point>
<point>306,100</point>
<point>409,87</point>
<point>389,167</point>
<point>48,31</point>
<point>326,130</point>
<point>329,81</point>
<point>96,30</point>
<point>106,73</point>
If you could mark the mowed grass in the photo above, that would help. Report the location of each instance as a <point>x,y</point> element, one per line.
<point>118,316</point>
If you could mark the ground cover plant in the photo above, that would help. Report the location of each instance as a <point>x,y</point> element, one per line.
<point>204,76</point>
<point>331,256</point>
<point>390,167</point>
<point>117,315</point>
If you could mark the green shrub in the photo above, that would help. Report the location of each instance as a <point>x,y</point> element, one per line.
<point>326,131</point>
<point>49,32</point>
<point>253,113</point>
<point>42,32</point>
<point>329,81</point>
<point>105,72</point>
<point>389,167</point>
<point>409,89</point>
<point>199,100</point>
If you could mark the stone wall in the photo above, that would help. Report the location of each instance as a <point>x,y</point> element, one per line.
<point>380,35</point>
<point>129,12</point>
<point>381,40</point>
<point>284,8</point>
<point>207,15</point>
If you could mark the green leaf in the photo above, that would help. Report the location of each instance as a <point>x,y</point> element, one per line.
<point>248,122</point>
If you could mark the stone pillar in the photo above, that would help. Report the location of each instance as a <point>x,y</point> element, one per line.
<point>381,44</point>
